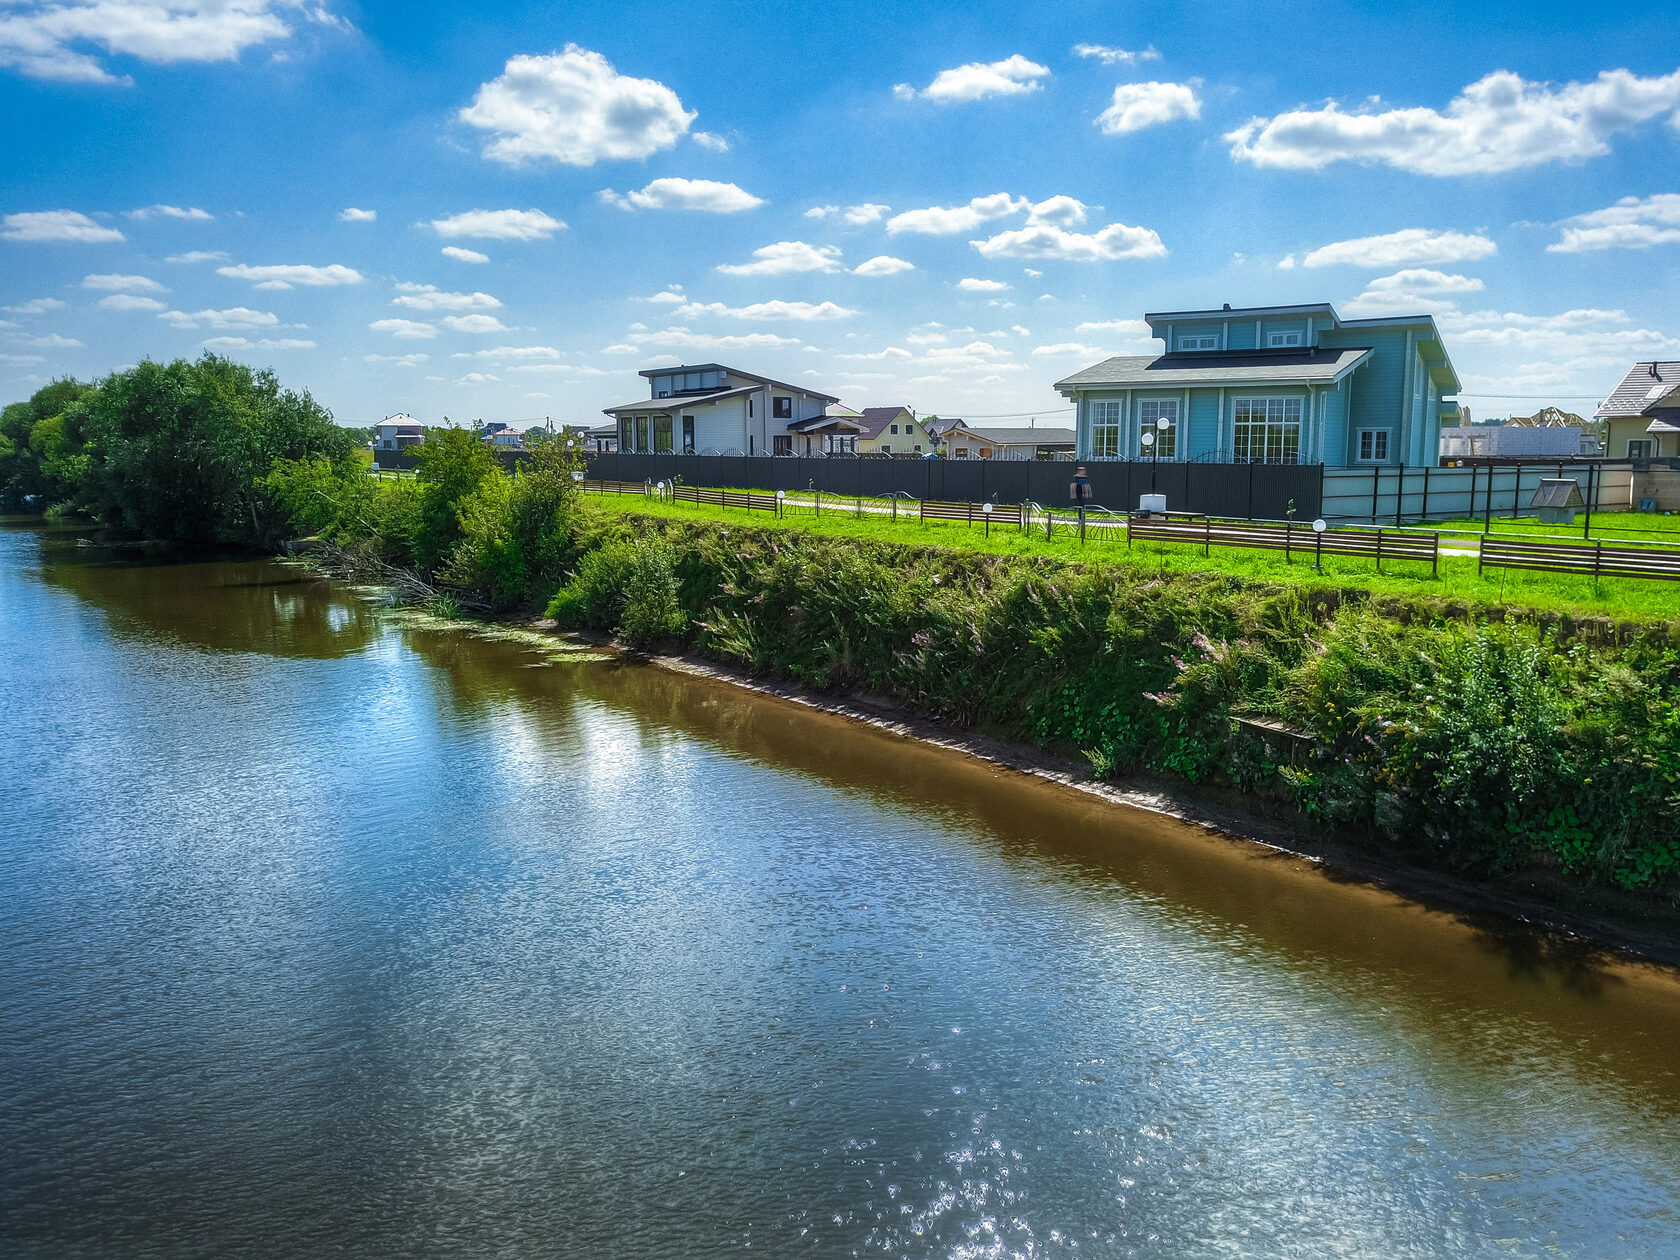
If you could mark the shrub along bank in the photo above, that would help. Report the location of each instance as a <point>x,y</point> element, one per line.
<point>1482,749</point>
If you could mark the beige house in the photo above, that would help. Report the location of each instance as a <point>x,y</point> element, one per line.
<point>1642,414</point>
<point>892,431</point>
<point>965,442</point>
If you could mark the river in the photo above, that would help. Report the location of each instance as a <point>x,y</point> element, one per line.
<point>324,932</point>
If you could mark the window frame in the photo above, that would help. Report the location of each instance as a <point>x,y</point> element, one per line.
<point>1285,340</point>
<point>1105,427</point>
<point>1359,456</point>
<point>1211,341</point>
<point>1648,444</point>
<point>781,444</point>
<point>781,407</point>
<point>1285,426</point>
<point>1170,438</point>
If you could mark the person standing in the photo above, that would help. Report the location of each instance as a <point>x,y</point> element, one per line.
<point>1079,491</point>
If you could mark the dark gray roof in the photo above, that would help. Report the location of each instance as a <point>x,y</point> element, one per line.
<point>1038,436</point>
<point>820,424</point>
<point>650,373</point>
<point>1554,492</point>
<point>1238,314</point>
<point>687,400</point>
<point>875,419</point>
<point>1245,367</point>
<point>1633,396</point>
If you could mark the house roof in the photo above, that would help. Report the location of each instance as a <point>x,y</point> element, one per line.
<point>1648,386</point>
<point>941,425</point>
<point>679,404</point>
<point>825,424</point>
<point>1170,371</point>
<point>674,368</point>
<point>402,420</point>
<point>876,419</point>
<point>1241,312</point>
<point>1554,492</point>
<point>1025,437</point>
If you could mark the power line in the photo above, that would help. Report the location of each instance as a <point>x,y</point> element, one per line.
<point>1570,397</point>
<point>1016,415</point>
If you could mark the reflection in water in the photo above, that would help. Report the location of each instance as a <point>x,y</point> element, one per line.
<point>393,940</point>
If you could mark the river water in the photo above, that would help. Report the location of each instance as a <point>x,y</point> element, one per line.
<point>326,933</point>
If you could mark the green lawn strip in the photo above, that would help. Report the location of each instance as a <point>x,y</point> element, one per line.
<point>1611,527</point>
<point>1458,581</point>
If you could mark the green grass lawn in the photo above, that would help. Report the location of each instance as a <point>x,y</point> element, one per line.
<point>1457,581</point>
<point>1610,526</point>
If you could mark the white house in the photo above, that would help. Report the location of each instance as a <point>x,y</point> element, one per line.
<point>398,432</point>
<point>708,408</point>
<point>1514,441</point>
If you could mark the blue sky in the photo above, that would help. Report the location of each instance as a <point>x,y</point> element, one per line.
<point>504,211</point>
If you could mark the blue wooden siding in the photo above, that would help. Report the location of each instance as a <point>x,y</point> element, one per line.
<point>1242,334</point>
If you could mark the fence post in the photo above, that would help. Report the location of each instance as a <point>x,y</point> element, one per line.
<point>1598,557</point>
<point>1376,472</point>
<point>1399,495</point>
<point>1288,533</point>
<point>817,495</point>
<point>1379,548</point>
<point>1592,470</point>
<point>1487,505</point>
<point>1207,535</point>
<point>1425,513</point>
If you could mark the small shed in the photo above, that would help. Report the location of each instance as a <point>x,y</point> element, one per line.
<point>1556,499</point>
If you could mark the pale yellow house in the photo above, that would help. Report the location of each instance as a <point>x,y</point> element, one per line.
<point>892,431</point>
<point>1642,414</point>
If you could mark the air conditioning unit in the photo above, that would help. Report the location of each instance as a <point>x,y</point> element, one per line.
<point>664,393</point>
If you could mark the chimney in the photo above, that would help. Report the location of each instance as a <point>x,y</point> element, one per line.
<point>1227,306</point>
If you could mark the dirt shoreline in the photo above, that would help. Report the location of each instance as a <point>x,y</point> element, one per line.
<point>1574,931</point>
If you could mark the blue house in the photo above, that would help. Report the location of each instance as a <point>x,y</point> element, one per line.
<point>1274,385</point>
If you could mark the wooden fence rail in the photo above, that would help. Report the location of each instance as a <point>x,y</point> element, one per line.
<point>1000,513</point>
<point>1593,560</point>
<point>616,487</point>
<point>1293,540</point>
<point>751,500</point>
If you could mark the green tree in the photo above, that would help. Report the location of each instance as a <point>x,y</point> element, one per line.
<point>41,463</point>
<point>453,464</point>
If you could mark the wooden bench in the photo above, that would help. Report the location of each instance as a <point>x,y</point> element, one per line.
<point>1593,559</point>
<point>1291,539</point>
<point>1001,513</point>
<point>751,500</point>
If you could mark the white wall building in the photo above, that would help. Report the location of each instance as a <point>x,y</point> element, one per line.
<point>708,408</point>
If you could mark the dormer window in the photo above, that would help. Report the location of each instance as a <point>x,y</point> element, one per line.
<point>1198,343</point>
<point>1279,340</point>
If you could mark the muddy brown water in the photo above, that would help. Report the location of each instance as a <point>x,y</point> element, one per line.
<point>326,931</point>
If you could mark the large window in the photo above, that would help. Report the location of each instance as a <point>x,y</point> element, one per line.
<point>1373,446</point>
<point>1267,431</point>
<point>781,444</point>
<point>781,407</point>
<point>688,435</point>
<point>687,383</point>
<point>1150,415</point>
<point>1105,429</point>
<point>1641,448</point>
<point>662,434</point>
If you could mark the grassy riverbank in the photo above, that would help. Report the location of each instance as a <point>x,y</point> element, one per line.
<point>1485,748</point>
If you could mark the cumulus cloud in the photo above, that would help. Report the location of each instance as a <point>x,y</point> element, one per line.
<point>35,306</point>
<point>1502,122</point>
<point>706,195</point>
<point>785,257</point>
<point>1140,105</point>
<point>970,285</point>
<point>866,212</point>
<point>129,302</point>
<point>685,339</point>
<point>397,360</point>
<point>53,39</point>
<point>949,220</point>
<point>882,265</point>
<point>513,354</point>
<point>1068,350</point>
<point>49,341</point>
<point>671,296</point>
<point>352,215</point>
<point>286,275</point>
<point>1116,241</point>
<point>1632,223</point>
<point>474,324</point>
<point>265,343</point>
<point>405,329</point>
<point>499,225</point>
<point>1062,211</point>
<point>773,310</point>
<point>464,255</point>
<point>573,107</point>
<point>65,226</point>
<point>1415,290</point>
<point>1135,328</point>
<point>198,256</point>
<point>428,297</point>
<point>114,283</point>
<point>710,140</point>
<point>235,317</point>
<point>1013,76</point>
<point>1397,249</point>
<point>477,378</point>
<point>1111,56</point>
<point>160,211</point>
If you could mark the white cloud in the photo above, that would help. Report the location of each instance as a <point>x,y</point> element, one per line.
<point>405,329</point>
<point>672,296</point>
<point>475,324</point>
<point>428,297</point>
<point>891,352</point>
<point>1415,290</point>
<point>1632,223</point>
<point>803,312</point>
<point>882,265</point>
<point>710,140</point>
<point>1140,105</point>
<point>235,317</point>
<point>683,338</point>
<point>970,285</point>
<point>573,107</point>
<point>499,225</point>
<point>477,378</point>
<point>1117,240</point>
<point>69,226</point>
<point>123,284</point>
<point>1397,249</point>
<point>21,358</point>
<point>1013,76</point>
<point>352,215</point>
<point>51,39</point>
<point>161,211</point>
<point>867,212</point>
<point>285,275</point>
<point>1135,328</point>
<point>242,343</point>
<point>1110,56</point>
<point>35,306</point>
<point>514,354</point>
<point>706,195</point>
<point>49,341</point>
<point>785,257</point>
<point>464,255</point>
<point>129,302</point>
<point>1069,350</point>
<point>1499,123</point>
<point>397,360</point>
<point>198,256</point>
<point>949,220</point>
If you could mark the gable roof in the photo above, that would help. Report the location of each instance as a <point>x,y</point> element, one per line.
<point>875,420</point>
<point>674,368</point>
<point>680,404</point>
<point>1243,367</point>
<point>1024,437</point>
<point>1649,386</point>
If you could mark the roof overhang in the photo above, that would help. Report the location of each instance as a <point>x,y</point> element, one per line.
<point>826,424</point>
